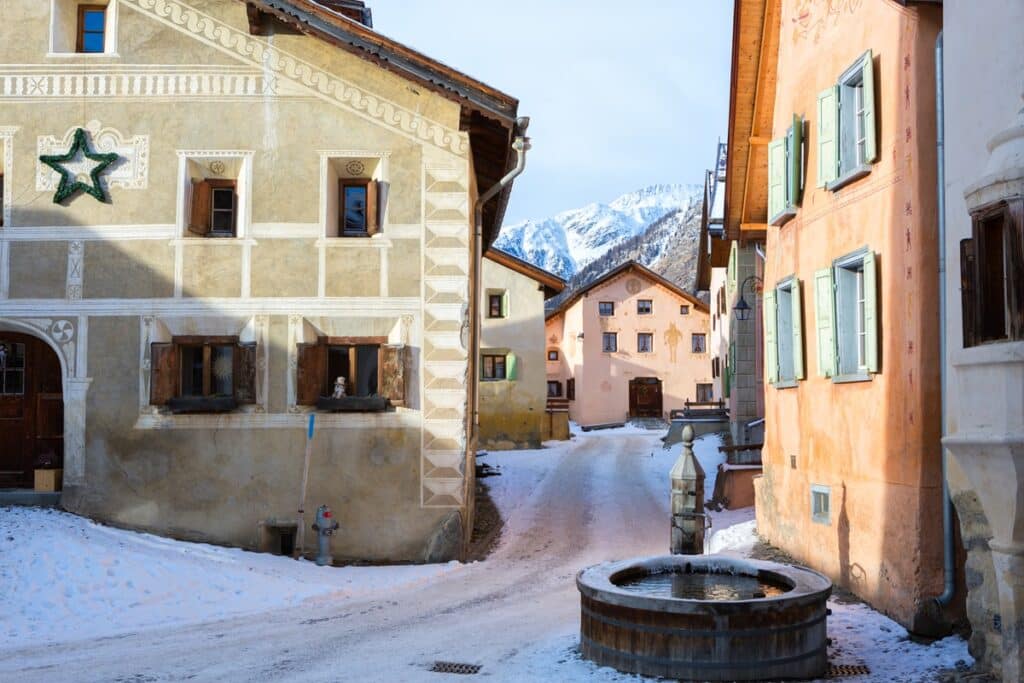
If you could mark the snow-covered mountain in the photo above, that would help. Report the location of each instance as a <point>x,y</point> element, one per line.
<point>571,240</point>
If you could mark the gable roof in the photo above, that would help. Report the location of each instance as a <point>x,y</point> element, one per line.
<point>551,283</point>
<point>488,115</point>
<point>639,269</point>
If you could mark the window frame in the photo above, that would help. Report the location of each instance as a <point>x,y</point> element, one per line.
<point>848,319</point>
<point>786,172</point>
<point>167,370</point>
<point>370,211</point>
<point>855,86</point>
<point>783,324</point>
<point>684,309</point>
<point>222,184</point>
<point>491,300</point>
<point>649,336</point>
<point>552,355</point>
<point>352,378</point>
<point>493,375</point>
<point>600,308</point>
<point>645,303</point>
<point>605,336</point>
<point>819,516</point>
<point>708,388</point>
<point>80,29</point>
<point>557,385</point>
<point>20,371</point>
<point>570,389</point>
<point>979,300</point>
<point>693,342</point>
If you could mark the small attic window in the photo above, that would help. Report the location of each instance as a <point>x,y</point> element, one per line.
<point>83,28</point>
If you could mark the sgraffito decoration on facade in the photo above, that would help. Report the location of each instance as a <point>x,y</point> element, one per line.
<point>130,172</point>
<point>77,174</point>
<point>322,84</point>
<point>814,16</point>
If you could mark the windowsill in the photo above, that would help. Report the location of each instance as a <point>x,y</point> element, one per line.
<point>194,240</point>
<point>352,404</point>
<point>784,217</point>
<point>852,377</point>
<point>826,521</point>
<point>853,174</point>
<point>91,55</point>
<point>377,240</point>
<point>786,384</point>
<point>989,353</point>
<point>202,404</point>
<point>494,379</point>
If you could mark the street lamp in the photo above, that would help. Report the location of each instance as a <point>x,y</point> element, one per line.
<point>742,308</point>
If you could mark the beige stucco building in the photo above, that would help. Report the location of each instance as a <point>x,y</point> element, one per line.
<point>512,376</point>
<point>290,201</point>
<point>630,344</point>
<point>983,250</point>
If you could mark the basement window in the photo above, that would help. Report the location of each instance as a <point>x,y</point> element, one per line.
<point>821,504</point>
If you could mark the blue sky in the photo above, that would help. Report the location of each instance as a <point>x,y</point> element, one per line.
<point>621,94</point>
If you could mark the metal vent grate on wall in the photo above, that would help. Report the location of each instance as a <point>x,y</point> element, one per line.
<point>456,668</point>
<point>846,670</point>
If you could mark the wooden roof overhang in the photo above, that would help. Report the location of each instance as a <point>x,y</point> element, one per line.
<point>551,283</point>
<point>626,267</point>
<point>487,115</point>
<point>755,50</point>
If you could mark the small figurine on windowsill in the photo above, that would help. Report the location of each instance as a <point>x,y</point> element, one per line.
<point>339,388</point>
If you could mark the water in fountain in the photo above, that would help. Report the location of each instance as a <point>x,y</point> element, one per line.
<point>702,586</point>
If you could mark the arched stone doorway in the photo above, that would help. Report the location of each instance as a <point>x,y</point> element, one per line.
<point>31,408</point>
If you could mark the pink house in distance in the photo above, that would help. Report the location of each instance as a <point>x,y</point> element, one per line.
<point>631,344</point>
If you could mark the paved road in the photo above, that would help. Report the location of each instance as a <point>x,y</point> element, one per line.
<point>596,501</point>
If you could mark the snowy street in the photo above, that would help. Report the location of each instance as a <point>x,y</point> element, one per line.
<point>600,497</point>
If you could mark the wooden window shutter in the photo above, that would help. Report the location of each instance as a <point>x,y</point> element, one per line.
<point>825,321</point>
<point>795,163</point>
<point>828,139</point>
<point>311,373</point>
<point>511,367</point>
<point>871,350</point>
<point>372,208</point>
<point>393,373</point>
<point>163,373</point>
<point>771,340</point>
<point>776,179</point>
<point>199,219</point>
<point>245,372</point>
<point>967,292</point>
<point>868,92</point>
<point>797,331</point>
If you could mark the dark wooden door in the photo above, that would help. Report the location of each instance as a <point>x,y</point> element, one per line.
<point>31,409</point>
<point>645,397</point>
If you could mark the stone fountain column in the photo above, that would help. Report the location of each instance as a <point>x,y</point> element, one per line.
<point>687,479</point>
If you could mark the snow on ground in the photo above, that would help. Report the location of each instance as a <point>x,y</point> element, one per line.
<point>74,579</point>
<point>604,495</point>
<point>860,635</point>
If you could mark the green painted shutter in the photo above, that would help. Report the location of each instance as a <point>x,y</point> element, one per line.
<point>825,321</point>
<point>504,305</point>
<point>828,139</point>
<point>798,334</point>
<point>795,163</point>
<point>511,367</point>
<point>870,312</point>
<point>868,91</point>
<point>776,178</point>
<point>771,343</point>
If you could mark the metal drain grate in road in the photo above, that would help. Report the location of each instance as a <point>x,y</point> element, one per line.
<point>456,668</point>
<point>844,670</point>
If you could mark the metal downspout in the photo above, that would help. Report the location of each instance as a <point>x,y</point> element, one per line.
<point>520,144</point>
<point>949,563</point>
